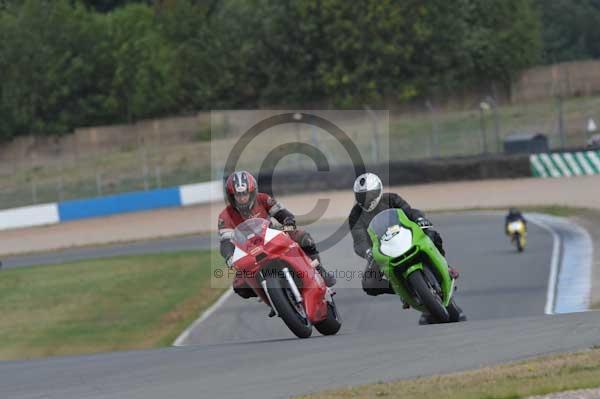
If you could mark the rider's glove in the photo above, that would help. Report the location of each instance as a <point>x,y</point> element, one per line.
<point>229,262</point>
<point>369,255</point>
<point>289,224</point>
<point>424,223</point>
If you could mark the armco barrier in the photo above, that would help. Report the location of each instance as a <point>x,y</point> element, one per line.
<point>119,203</point>
<point>338,178</point>
<point>201,193</point>
<point>45,214</point>
<point>29,216</point>
<point>565,164</point>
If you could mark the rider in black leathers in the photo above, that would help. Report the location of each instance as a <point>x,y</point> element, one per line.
<point>513,215</point>
<point>370,200</point>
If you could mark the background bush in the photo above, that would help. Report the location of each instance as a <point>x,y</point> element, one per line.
<point>69,63</point>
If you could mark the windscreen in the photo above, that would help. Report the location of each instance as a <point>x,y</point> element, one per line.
<point>383,220</point>
<point>249,229</point>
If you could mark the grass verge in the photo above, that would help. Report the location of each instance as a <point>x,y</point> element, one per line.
<point>515,380</point>
<point>555,210</point>
<point>120,303</point>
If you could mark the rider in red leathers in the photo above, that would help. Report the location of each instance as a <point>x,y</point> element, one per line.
<point>245,202</point>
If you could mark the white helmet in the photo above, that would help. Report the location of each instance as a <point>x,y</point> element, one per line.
<point>368,190</point>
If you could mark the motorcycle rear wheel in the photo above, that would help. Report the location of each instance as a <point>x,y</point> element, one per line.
<point>332,324</point>
<point>518,242</point>
<point>295,321</point>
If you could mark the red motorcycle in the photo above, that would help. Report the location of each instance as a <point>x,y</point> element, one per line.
<point>285,278</point>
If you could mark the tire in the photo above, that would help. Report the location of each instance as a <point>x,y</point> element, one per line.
<point>332,324</point>
<point>300,326</point>
<point>517,240</point>
<point>430,300</point>
<point>455,312</point>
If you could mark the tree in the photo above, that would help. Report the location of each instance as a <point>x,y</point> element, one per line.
<point>570,29</point>
<point>504,38</point>
<point>110,5</point>
<point>47,62</point>
<point>66,64</point>
<point>141,84</point>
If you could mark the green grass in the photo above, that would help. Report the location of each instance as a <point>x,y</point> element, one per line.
<point>459,132</point>
<point>515,380</point>
<point>555,210</point>
<point>102,305</point>
<point>559,210</point>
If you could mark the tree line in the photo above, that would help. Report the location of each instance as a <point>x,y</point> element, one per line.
<point>69,63</point>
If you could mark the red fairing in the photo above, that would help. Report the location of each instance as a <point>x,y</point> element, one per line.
<point>282,251</point>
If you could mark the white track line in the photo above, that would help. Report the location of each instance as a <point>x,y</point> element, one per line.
<point>549,309</point>
<point>184,335</point>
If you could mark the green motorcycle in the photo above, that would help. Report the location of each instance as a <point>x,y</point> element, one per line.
<point>413,265</point>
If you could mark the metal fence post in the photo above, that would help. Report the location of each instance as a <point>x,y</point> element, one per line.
<point>561,122</point>
<point>434,150</point>
<point>145,168</point>
<point>34,198</point>
<point>60,189</point>
<point>375,136</point>
<point>482,107</point>
<point>98,183</point>
<point>491,100</point>
<point>158,177</point>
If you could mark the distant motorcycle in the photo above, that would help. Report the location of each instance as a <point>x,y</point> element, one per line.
<point>415,268</point>
<point>518,234</point>
<point>284,277</point>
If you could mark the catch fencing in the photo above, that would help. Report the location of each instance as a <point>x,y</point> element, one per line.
<point>559,101</point>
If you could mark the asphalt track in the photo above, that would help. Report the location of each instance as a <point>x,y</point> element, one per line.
<point>239,352</point>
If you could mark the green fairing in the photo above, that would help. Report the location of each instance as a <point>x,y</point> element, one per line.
<point>423,244</point>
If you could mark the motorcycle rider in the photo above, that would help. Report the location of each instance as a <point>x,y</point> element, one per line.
<point>370,200</point>
<point>246,202</point>
<point>514,215</point>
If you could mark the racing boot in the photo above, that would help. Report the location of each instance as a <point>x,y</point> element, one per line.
<point>329,278</point>
<point>405,305</point>
<point>374,282</point>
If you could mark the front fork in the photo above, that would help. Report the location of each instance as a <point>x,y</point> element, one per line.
<point>291,284</point>
<point>405,291</point>
<point>263,284</point>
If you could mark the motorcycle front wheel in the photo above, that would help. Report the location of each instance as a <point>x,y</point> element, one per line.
<point>292,314</point>
<point>428,296</point>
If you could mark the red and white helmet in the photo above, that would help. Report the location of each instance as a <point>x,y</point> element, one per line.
<point>241,189</point>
